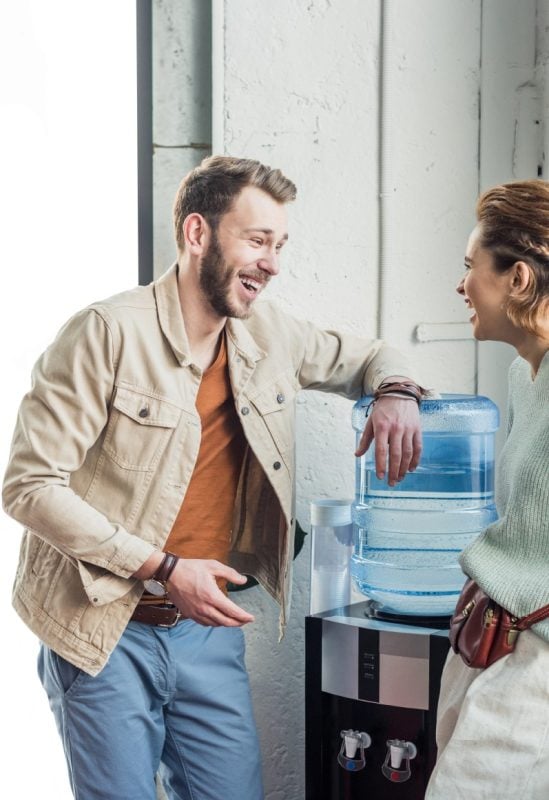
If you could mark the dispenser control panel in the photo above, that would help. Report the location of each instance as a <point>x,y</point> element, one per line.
<point>377,662</point>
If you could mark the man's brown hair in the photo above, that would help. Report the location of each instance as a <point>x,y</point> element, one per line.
<point>211,188</point>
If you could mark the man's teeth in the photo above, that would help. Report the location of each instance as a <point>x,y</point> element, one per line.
<point>250,284</point>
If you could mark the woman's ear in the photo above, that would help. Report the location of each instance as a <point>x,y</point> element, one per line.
<point>521,276</point>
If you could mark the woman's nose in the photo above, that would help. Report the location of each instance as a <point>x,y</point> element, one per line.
<point>460,288</point>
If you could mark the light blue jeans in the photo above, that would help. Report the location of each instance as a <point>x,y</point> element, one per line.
<point>174,700</point>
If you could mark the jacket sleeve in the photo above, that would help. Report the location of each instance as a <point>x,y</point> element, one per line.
<point>59,420</point>
<point>345,364</point>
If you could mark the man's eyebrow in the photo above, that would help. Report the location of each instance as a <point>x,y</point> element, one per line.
<point>266,231</point>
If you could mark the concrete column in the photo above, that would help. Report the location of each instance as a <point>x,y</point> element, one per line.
<point>181,108</point>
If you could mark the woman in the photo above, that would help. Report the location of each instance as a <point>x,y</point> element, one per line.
<point>493,724</point>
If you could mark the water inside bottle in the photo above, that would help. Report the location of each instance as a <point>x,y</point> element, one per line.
<point>409,536</point>
<point>451,466</point>
<point>406,551</point>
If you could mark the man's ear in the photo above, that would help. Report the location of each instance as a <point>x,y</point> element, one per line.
<point>196,232</point>
<point>521,276</point>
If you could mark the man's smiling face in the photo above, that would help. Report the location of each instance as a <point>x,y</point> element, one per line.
<point>243,253</point>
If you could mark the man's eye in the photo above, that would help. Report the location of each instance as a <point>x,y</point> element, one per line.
<point>259,242</point>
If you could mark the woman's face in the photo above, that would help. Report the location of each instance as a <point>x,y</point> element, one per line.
<point>486,292</point>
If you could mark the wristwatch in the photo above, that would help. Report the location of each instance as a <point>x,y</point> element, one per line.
<point>156,584</point>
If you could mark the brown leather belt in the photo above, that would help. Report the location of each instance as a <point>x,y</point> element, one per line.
<point>165,616</point>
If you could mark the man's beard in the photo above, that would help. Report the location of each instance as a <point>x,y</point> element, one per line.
<point>215,281</point>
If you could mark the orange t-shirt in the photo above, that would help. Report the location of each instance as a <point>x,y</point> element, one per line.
<point>202,528</point>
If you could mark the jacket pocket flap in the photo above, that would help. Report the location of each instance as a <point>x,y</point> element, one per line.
<point>145,409</point>
<point>277,396</point>
<point>101,586</point>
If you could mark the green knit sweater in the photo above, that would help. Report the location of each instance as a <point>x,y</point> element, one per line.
<point>510,559</point>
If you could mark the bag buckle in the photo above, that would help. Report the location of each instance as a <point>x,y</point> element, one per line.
<point>488,617</point>
<point>468,608</point>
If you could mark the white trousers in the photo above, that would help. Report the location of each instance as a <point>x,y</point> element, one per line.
<point>493,727</point>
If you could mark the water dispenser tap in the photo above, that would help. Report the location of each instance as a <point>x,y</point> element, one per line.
<point>398,751</point>
<point>353,741</point>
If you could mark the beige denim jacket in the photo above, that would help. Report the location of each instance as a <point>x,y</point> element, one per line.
<point>107,438</point>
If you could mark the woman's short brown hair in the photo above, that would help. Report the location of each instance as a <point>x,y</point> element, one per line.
<point>211,188</point>
<point>514,226</point>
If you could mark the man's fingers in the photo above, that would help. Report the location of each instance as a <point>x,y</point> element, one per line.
<point>406,456</point>
<point>381,457</point>
<point>216,619</point>
<point>394,425</point>
<point>416,445</point>
<point>216,609</point>
<point>194,590</point>
<point>366,439</point>
<point>223,571</point>
<point>395,457</point>
<point>231,610</point>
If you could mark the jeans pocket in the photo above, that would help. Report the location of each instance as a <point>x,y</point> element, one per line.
<point>63,673</point>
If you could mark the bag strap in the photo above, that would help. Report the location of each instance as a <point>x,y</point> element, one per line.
<point>531,619</point>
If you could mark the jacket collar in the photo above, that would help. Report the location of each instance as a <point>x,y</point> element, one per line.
<point>244,342</point>
<point>170,316</point>
<point>173,327</point>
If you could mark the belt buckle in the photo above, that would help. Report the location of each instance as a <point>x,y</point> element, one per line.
<point>171,624</point>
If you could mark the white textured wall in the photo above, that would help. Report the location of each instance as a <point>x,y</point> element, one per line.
<point>307,98</point>
<point>297,85</point>
<point>301,93</point>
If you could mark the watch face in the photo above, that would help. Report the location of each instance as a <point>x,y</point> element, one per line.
<point>155,587</point>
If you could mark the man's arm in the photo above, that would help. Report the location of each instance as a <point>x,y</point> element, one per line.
<point>59,420</point>
<point>352,367</point>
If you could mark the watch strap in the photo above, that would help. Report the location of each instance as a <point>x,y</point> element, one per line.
<point>167,566</point>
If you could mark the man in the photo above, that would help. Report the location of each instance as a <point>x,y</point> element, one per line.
<point>152,462</point>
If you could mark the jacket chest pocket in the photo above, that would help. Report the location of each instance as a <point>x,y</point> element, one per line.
<point>139,428</point>
<point>276,406</point>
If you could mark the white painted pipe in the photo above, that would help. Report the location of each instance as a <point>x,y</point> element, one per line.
<point>218,77</point>
<point>388,190</point>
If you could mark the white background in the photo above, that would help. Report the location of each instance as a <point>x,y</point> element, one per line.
<point>69,236</point>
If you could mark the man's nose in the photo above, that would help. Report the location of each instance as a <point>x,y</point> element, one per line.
<point>269,264</point>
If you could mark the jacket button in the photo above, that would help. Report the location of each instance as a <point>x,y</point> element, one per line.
<point>245,410</point>
<point>144,412</point>
<point>277,465</point>
<point>280,398</point>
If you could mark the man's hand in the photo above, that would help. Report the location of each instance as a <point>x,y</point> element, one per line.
<point>394,424</point>
<point>193,589</point>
